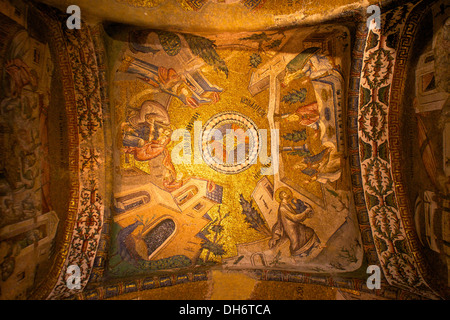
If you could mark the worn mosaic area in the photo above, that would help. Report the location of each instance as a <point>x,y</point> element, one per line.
<point>52,153</point>
<point>29,212</point>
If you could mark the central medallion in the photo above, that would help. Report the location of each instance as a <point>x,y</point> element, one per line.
<point>230,142</point>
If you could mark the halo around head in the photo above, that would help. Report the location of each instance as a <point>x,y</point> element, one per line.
<point>283,189</point>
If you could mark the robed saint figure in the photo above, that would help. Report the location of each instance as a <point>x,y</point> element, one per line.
<point>291,215</point>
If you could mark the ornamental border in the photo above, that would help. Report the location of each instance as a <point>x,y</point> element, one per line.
<point>62,249</point>
<point>393,260</point>
<point>84,115</point>
<point>396,106</point>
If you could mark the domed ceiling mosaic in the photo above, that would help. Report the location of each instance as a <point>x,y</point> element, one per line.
<point>224,150</point>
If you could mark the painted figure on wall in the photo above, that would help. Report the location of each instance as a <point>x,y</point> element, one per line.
<point>291,215</point>
<point>309,63</point>
<point>283,228</point>
<point>26,79</point>
<point>147,131</point>
<point>28,224</point>
<point>142,123</point>
<point>186,84</point>
<point>146,136</point>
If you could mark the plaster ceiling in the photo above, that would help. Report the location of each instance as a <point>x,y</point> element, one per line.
<point>210,15</point>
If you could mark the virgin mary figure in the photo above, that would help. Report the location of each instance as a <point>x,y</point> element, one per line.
<point>291,213</point>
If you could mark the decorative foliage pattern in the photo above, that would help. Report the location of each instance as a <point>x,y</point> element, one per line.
<point>265,41</point>
<point>205,49</point>
<point>388,230</point>
<point>214,230</point>
<point>296,135</point>
<point>170,42</point>
<point>88,100</point>
<point>255,60</point>
<point>78,58</point>
<point>295,96</point>
<point>253,217</point>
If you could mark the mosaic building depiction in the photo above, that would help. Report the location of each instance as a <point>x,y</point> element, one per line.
<point>269,148</point>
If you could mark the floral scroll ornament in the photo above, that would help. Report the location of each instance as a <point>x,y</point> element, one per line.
<point>390,237</point>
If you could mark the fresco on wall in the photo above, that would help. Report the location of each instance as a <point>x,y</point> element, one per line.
<point>430,122</point>
<point>249,214</point>
<point>197,5</point>
<point>28,220</point>
<point>272,7</point>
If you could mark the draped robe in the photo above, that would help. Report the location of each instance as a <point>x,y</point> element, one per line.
<point>289,225</point>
